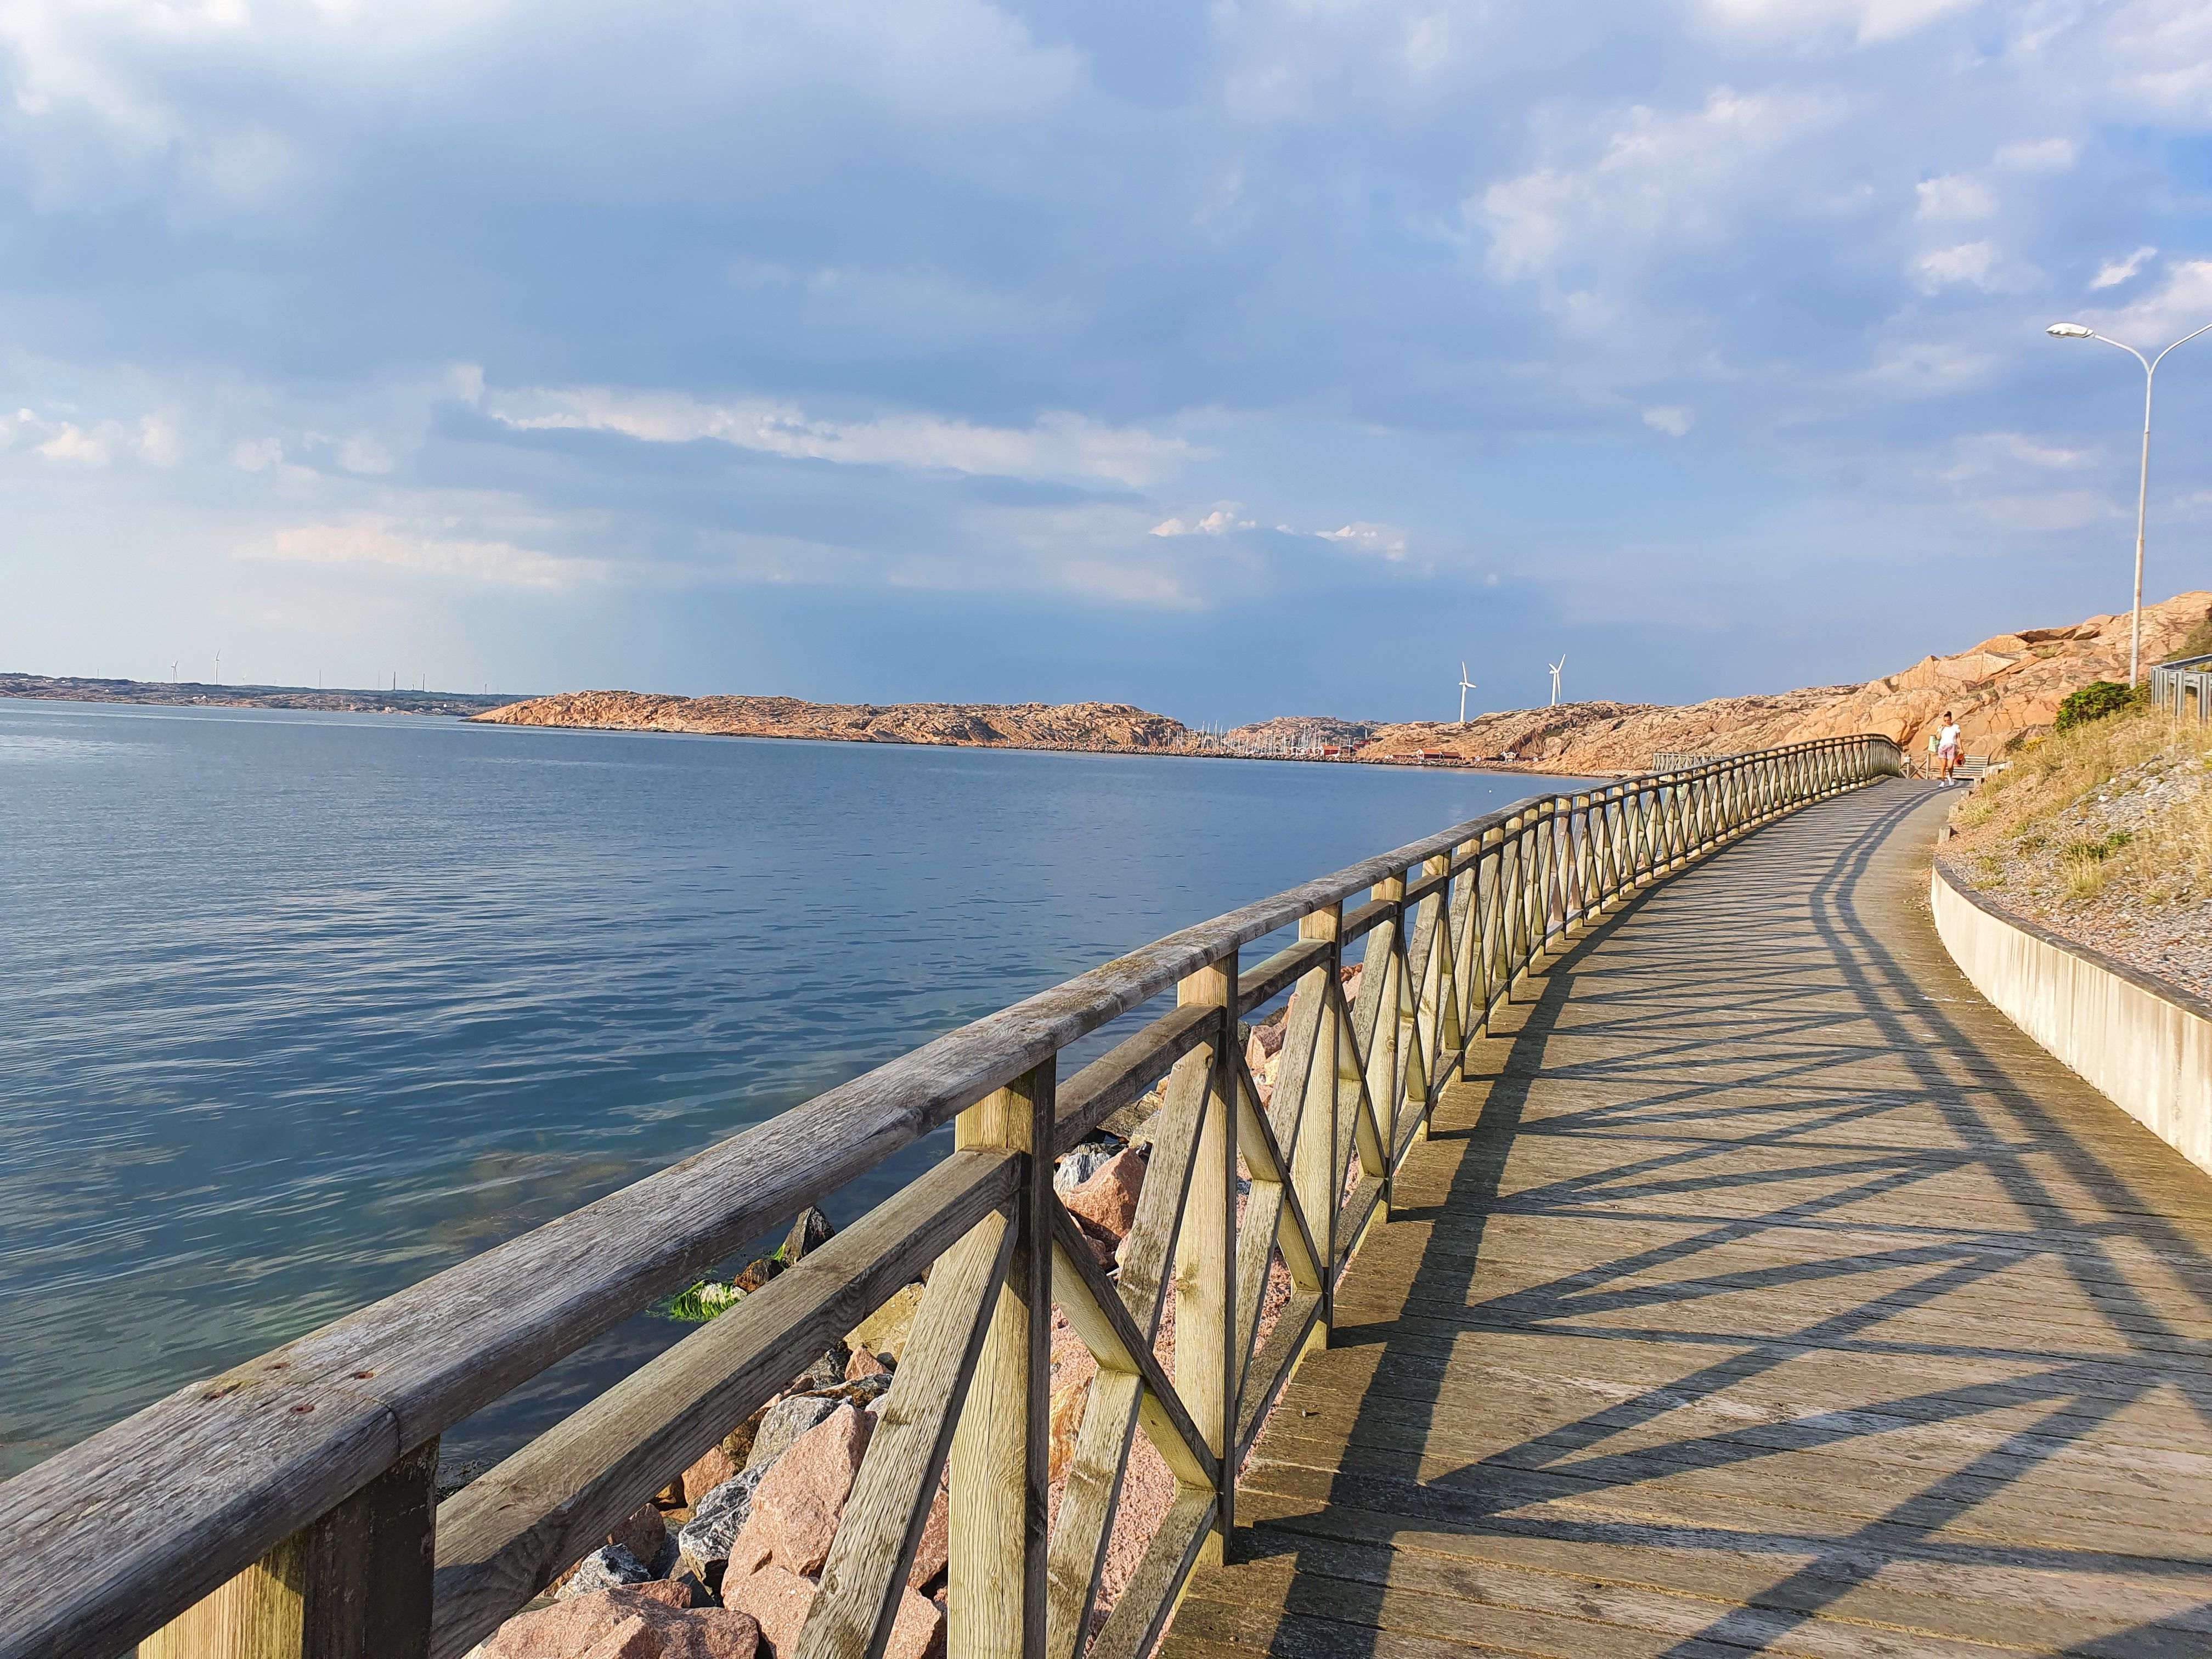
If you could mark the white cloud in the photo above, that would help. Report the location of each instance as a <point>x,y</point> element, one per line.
<point>255,454</point>
<point>1385,540</point>
<point>1869,20</point>
<point>2182,302</point>
<point>153,439</point>
<point>2038,155</point>
<point>1969,263</point>
<point>1982,453</point>
<point>431,548</point>
<point>1219,522</point>
<point>1672,419</point>
<point>1954,196</point>
<point>362,454</point>
<point>2044,510</point>
<point>1660,176</point>
<point>2113,272</point>
<point>1058,446</point>
<point>1920,369</point>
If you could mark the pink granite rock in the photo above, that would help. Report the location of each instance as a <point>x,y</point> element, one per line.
<point>917,1629</point>
<point>581,1628</point>
<point>796,1510</point>
<point>778,1601</point>
<point>935,1548</point>
<point>1107,1201</point>
<point>631,1639</point>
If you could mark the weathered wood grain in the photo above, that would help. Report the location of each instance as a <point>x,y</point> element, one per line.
<point>1149,1597</point>
<point>502,1538</point>
<point>866,1570</point>
<point>1206,1356</point>
<point>996,1580</point>
<point>1127,1070</point>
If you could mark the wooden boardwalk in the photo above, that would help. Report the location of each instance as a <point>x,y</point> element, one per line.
<point>1762,1290</point>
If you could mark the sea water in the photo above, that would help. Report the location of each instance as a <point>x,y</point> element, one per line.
<point>300,1007</point>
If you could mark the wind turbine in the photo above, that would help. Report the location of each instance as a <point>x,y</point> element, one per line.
<point>1466,685</point>
<point>1555,667</point>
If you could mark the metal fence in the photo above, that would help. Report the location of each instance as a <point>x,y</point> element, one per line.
<point>2187,681</point>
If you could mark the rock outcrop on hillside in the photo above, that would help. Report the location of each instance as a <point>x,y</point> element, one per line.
<point>2003,690</point>
<point>1101,725</point>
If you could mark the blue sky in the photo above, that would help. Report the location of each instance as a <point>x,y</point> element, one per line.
<point>1237,360</point>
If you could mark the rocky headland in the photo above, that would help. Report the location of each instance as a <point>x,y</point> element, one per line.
<point>1112,727</point>
<point>2007,687</point>
<point>56,688</point>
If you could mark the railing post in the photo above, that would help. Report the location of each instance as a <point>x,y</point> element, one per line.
<point>1386,1066</point>
<point>1206,1363</point>
<point>1316,1182</point>
<point>354,1585</point>
<point>997,1507</point>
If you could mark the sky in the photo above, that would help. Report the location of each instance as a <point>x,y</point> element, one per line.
<point>1231,360</point>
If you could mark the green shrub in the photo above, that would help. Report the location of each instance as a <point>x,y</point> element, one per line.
<point>2199,642</point>
<point>2093,701</point>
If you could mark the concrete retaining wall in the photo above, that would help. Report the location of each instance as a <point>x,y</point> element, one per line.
<point>2147,1046</point>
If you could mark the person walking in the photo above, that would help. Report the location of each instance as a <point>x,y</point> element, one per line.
<point>1946,748</point>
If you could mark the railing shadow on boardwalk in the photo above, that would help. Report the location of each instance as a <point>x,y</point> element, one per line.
<point>1801,1027</point>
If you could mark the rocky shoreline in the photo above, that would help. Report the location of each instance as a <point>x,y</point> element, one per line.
<point>48,688</point>
<point>2004,688</point>
<point>724,1562</point>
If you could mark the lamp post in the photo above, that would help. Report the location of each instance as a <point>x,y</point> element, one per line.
<point>2078,331</point>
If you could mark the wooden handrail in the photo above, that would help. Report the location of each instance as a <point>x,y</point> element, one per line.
<point>316,1452</point>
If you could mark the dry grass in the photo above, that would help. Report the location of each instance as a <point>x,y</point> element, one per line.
<point>2140,765</point>
<point>2103,834</point>
<point>2052,773</point>
<point>2173,856</point>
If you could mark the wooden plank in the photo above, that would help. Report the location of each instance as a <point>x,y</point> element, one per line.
<point>1363,919</point>
<point>1127,1071</point>
<point>995,1580</point>
<point>1287,965</point>
<point>1287,1226</point>
<point>1162,1199</point>
<point>1316,1171</point>
<point>1096,1314</point>
<point>1274,1365</point>
<point>369,1566</point>
<point>1087,1503</point>
<point>866,1570</point>
<point>1206,1363</point>
<point>257,1614</point>
<point>355,1584</point>
<point>1149,1597</point>
<point>502,1538</point>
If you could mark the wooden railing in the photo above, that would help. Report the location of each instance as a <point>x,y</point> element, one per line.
<point>285,1508</point>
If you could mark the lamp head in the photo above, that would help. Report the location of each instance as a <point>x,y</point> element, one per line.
<point>2070,332</point>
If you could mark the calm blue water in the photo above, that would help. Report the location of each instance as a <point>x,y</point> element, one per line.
<point>300,1008</point>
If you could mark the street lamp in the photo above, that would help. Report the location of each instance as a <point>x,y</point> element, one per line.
<point>2078,331</point>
